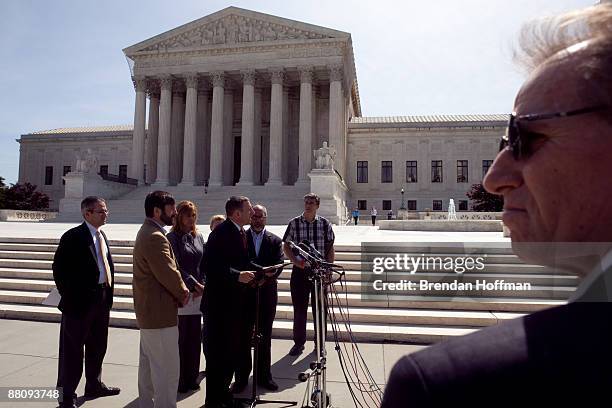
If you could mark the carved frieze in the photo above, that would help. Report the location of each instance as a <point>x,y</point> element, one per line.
<point>234,29</point>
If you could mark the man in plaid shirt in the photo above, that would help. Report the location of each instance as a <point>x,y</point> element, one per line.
<point>318,230</point>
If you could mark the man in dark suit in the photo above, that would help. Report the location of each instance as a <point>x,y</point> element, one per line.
<point>84,275</point>
<point>265,249</point>
<point>227,269</point>
<point>553,171</point>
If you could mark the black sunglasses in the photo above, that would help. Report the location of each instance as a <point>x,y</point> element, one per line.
<point>519,143</point>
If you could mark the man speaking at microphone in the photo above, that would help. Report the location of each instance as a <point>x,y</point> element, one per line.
<point>265,249</point>
<point>317,230</point>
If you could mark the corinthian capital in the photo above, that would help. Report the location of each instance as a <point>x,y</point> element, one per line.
<point>277,75</point>
<point>218,78</point>
<point>165,82</point>
<point>191,80</point>
<point>248,77</point>
<point>335,72</point>
<point>140,84</point>
<point>306,74</point>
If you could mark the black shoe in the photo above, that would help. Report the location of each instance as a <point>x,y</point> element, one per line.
<point>193,387</point>
<point>238,387</point>
<point>101,391</point>
<point>269,385</point>
<point>296,350</point>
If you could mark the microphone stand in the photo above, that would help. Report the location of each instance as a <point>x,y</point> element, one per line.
<point>254,400</point>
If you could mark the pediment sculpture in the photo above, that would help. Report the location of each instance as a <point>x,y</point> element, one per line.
<point>234,29</point>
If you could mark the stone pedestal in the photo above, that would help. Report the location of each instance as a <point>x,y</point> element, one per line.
<point>82,184</point>
<point>333,193</point>
<point>402,214</point>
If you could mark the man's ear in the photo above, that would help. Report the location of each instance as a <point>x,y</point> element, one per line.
<point>157,212</point>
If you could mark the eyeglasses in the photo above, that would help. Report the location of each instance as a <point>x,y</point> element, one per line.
<point>101,212</point>
<point>518,141</point>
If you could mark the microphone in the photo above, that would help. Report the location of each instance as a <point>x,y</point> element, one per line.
<point>298,251</point>
<point>313,250</point>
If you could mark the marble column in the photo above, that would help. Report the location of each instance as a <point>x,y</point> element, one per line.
<point>152,135</point>
<point>176,134</point>
<point>305,132</point>
<point>257,165</point>
<point>276,128</point>
<point>216,130</point>
<point>336,113</point>
<point>189,145</point>
<point>136,169</point>
<point>248,129</point>
<point>163,141</point>
<point>202,137</point>
<point>228,135</point>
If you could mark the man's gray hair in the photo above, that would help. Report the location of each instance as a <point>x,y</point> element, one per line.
<point>549,38</point>
<point>89,203</point>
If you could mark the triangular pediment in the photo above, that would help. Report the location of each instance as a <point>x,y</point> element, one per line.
<point>233,26</point>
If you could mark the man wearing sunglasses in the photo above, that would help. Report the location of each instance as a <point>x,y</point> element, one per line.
<point>554,171</point>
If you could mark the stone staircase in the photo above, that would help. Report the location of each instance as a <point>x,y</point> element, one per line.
<point>283,202</point>
<point>26,279</point>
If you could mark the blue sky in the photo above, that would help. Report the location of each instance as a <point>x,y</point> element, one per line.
<point>61,63</point>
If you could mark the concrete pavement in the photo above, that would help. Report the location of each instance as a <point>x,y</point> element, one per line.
<point>29,351</point>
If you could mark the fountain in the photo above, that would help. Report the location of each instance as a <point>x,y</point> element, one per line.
<point>452,215</point>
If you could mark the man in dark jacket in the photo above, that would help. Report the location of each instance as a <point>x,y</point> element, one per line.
<point>84,275</point>
<point>553,171</point>
<point>265,249</point>
<point>227,268</point>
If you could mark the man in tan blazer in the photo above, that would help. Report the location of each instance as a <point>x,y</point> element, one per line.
<point>158,290</point>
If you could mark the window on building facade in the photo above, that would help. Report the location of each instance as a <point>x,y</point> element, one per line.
<point>104,170</point>
<point>362,204</point>
<point>437,205</point>
<point>122,172</point>
<point>463,205</point>
<point>48,175</point>
<point>462,171</point>
<point>436,171</point>
<point>411,172</point>
<point>362,171</point>
<point>67,169</point>
<point>386,175</point>
<point>412,205</point>
<point>386,205</point>
<point>486,164</point>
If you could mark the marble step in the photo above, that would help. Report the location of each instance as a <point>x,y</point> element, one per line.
<point>361,332</point>
<point>357,314</point>
<point>19,260</point>
<point>123,300</point>
<point>350,276</point>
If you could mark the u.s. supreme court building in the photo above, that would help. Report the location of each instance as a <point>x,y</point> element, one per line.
<point>240,102</point>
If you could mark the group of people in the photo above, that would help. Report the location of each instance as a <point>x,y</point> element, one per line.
<point>553,171</point>
<point>190,296</point>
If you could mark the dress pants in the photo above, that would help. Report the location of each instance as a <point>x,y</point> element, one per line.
<point>268,298</point>
<point>89,330</point>
<point>301,290</point>
<point>158,367</point>
<point>221,344</point>
<point>190,331</point>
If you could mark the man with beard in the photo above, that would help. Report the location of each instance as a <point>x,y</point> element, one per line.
<point>265,249</point>
<point>227,268</point>
<point>553,171</point>
<point>158,289</point>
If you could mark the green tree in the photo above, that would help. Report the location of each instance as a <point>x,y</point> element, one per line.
<point>482,200</point>
<point>25,197</point>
